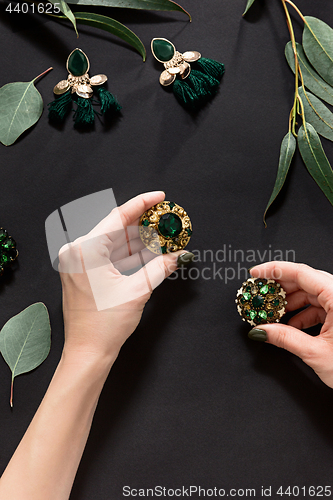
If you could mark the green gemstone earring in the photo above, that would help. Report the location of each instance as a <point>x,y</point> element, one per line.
<point>261,301</point>
<point>194,79</point>
<point>8,251</point>
<point>165,228</point>
<point>81,85</point>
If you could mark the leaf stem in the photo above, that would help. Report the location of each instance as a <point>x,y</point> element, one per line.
<point>297,99</point>
<point>11,393</point>
<point>297,10</point>
<point>44,73</point>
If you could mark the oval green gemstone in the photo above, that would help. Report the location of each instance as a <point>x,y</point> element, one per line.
<point>264,289</point>
<point>253,314</point>
<point>5,259</point>
<point>276,302</point>
<point>9,243</point>
<point>272,289</point>
<point>270,314</point>
<point>258,301</point>
<point>163,50</point>
<point>77,63</point>
<point>3,234</point>
<point>170,225</point>
<point>263,314</point>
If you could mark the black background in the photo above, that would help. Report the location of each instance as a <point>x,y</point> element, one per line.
<point>190,400</point>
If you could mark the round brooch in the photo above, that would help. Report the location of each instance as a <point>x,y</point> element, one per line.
<point>165,228</point>
<point>261,301</point>
<point>8,251</point>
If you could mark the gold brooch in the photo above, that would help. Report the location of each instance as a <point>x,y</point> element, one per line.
<point>261,301</point>
<point>165,228</point>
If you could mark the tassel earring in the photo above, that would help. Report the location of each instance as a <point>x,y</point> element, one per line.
<point>193,85</point>
<point>80,84</point>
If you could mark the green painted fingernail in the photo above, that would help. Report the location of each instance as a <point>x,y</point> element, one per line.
<point>184,259</point>
<point>257,334</point>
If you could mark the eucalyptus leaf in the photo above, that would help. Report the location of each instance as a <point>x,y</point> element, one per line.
<point>65,9</point>
<point>288,147</point>
<point>318,46</point>
<point>163,5</point>
<point>25,340</point>
<point>312,80</point>
<point>112,26</point>
<point>248,5</point>
<point>21,106</point>
<point>315,159</point>
<point>316,113</point>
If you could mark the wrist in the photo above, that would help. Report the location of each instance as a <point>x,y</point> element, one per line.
<point>96,363</point>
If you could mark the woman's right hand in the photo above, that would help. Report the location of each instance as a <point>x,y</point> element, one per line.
<point>304,286</point>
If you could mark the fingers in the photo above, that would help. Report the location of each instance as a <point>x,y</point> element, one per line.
<point>310,316</point>
<point>158,269</point>
<point>299,277</point>
<point>289,338</point>
<point>128,213</point>
<point>128,249</point>
<point>299,299</point>
<point>138,259</point>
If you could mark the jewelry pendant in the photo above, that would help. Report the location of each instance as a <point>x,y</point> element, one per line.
<point>165,228</point>
<point>78,82</point>
<point>194,79</point>
<point>261,301</point>
<point>8,251</point>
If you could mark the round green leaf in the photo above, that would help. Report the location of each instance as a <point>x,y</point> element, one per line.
<point>318,46</point>
<point>312,80</point>
<point>21,106</point>
<point>316,113</point>
<point>25,340</point>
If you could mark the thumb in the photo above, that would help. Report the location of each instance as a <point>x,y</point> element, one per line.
<point>155,271</point>
<point>287,337</point>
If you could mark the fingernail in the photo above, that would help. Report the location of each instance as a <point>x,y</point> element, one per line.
<point>184,259</point>
<point>249,269</point>
<point>257,334</point>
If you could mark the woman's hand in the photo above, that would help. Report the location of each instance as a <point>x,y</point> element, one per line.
<point>102,307</point>
<point>304,286</point>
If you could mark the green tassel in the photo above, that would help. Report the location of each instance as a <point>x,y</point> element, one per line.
<point>60,107</point>
<point>196,90</point>
<point>210,67</point>
<point>109,103</point>
<point>84,114</point>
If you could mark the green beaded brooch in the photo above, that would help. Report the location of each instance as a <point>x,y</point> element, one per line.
<point>165,228</point>
<point>261,301</point>
<point>8,251</point>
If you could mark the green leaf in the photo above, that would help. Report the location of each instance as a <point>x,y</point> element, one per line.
<point>288,147</point>
<point>318,46</point>
<point>65,9</point>
<point>25,340</point>
<point>163,5</point>
<point>312,80</point>
<point>112,26</point>
<point>315,159</point>
<point>21,106</point>
<point>316,113</point>
<point>248,5</point>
